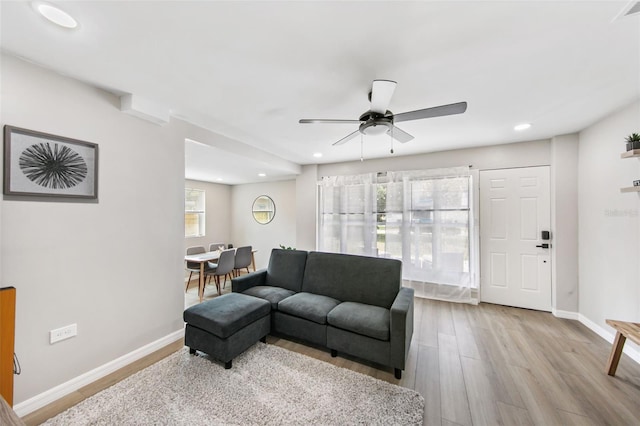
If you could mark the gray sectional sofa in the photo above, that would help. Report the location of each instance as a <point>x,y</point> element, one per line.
<point>350,304</point>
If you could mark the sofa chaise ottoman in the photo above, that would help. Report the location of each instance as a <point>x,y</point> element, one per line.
<point>226,326</point>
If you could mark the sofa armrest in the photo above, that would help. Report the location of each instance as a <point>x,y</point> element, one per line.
<point>244,282</point>
<point>401,326</point>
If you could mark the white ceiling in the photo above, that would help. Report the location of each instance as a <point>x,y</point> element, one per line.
<point>251,70</point>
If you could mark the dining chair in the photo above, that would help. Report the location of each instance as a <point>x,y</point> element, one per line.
<point>242,260</point>
<point>223,268</point>
<point>216,246</point>
<point>194,266</point>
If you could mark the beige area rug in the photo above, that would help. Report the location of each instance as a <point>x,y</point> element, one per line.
<point>267,385</point>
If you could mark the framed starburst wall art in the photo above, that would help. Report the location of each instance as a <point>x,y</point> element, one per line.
<point>41,165</point>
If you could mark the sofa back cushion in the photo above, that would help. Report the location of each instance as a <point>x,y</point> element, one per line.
<point>349,278</point>
<point>286,269</point>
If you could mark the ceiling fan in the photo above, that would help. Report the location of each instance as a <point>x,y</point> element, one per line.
<point>379,119</point>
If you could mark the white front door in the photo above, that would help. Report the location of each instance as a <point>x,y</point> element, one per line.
<point>514,210</point>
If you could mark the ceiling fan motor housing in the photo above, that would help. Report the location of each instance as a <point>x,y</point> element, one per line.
<point>376,124</point>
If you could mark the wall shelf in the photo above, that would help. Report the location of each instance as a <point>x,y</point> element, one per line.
<point>630,189</point>
<point>630,154</point>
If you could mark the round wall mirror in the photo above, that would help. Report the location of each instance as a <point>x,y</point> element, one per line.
<point>264,209</point>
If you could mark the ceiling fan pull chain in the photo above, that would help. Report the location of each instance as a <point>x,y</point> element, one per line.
<point>361,147</point>
<point>391,133</point>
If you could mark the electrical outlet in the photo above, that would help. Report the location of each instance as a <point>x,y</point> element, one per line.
<point>63,333</point>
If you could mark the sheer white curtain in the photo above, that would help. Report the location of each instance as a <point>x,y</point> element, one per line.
<point>424,218</point>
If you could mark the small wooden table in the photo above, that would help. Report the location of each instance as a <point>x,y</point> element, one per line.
<point>210,256</point>
<point>624,330</point>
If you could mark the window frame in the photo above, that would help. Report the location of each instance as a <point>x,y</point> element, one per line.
<point>199,209</point>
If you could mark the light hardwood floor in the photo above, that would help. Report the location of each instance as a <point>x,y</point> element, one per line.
<point>480,365</point>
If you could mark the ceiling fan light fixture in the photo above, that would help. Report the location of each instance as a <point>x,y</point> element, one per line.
<point>375,130</point>
<point>376,126</point>
<point>55,14</point>
<point>522,126</point>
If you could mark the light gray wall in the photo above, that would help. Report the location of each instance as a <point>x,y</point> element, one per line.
<point>281,230</point>
<point>609,221</point>
<point>115,267</point>
<point>306,210</point>
<point>564,223</point>
<point>217,214</point>
<point>524,154</point>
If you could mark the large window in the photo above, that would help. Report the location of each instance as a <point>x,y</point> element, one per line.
<point>423,218</point>
<point>194,213</point>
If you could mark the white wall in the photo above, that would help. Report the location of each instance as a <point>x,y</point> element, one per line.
<point>564,224</point>
<point>114,267</point>
<point>306,211</point>
<point>281,230</point>
<point>524,154</point>
<point>217,214</point>
<point>609,222</point>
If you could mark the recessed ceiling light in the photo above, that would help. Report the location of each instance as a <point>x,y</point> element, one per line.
<point>523,126</point>
<point>317,154</point>
<point>219,179</point>
<point>55,14</point>
<point>262,174</point>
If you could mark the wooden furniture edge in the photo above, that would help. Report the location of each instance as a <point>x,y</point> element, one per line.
<point>624,330</point>
<point>7,341</point>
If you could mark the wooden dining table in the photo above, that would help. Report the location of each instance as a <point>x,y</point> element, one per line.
<point>210,256</point>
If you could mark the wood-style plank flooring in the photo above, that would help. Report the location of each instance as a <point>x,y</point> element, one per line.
<point>479,365</point>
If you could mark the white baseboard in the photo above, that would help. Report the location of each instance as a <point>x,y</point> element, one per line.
<point>609,337</point>
<point>566,314</point>
<point>605,334</point>
<point>53,394</point>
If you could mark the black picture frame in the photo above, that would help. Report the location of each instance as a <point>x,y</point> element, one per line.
<point>39,164</point>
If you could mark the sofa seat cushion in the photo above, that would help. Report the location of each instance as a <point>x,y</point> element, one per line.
<point>272,294</point>
<point>313,307</point>
<point>367,320</point>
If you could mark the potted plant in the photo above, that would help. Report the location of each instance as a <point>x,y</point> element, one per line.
<point>633,141</point>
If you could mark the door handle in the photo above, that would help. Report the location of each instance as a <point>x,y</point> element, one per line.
<point>544,246</point>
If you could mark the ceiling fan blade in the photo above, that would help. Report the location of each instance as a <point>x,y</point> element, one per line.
<point>347,138</point>
<point>321,120</point>
<point>400,135</point>
<point>438,111</point>
<point>381,92</point>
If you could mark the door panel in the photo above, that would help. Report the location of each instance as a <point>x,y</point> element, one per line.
<point>514,209</point>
